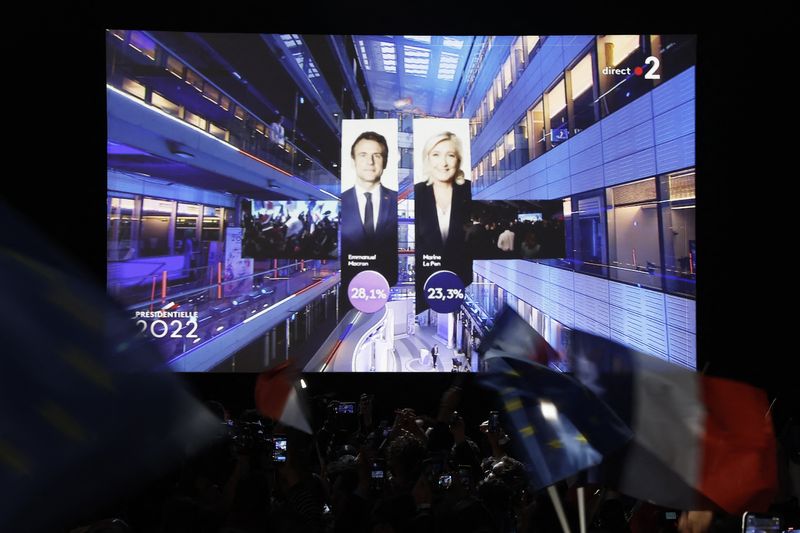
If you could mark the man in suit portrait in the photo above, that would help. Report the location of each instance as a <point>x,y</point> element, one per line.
<point>369,209</point>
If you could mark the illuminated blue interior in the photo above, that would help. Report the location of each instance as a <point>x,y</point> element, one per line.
<point>422,74</point>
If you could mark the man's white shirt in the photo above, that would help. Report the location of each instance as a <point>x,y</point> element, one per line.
<point>362,203</point>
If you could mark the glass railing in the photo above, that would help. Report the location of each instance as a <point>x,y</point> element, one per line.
<point>298,163</point>
<point>241,133</point>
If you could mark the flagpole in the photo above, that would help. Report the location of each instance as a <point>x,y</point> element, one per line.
<point>551,491</point>
<point>597,503</point>
<point>581,510</point>
<point>770,406</point>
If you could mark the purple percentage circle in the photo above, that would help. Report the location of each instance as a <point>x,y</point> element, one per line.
<point>368,291</point>
<point>444,291</point>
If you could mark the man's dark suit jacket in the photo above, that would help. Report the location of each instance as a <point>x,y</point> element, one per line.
<point>384,240</point>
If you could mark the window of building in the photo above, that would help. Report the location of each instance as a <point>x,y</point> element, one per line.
<point>195,120</point>
<point>211,93</point>
<point>194,79</point>
<point>260,128</point>
<point>144,44</point>
<point>568,261</point>
<point>192,210</point>
<point>675,53</point>
<point>134,87</point>
<point>212,223</point>
<point>517,144</point>
<point>175,67</point>
<point>447,66</point>
<point>239,113</point>
<point>216,131</point>
<point>306,64</point>
<point>587,227</point>
<point>154,237</point>
<point>185,226</point>
<point>634,252</point>
<point>536,139</point>
<point>530,44</point>
<point>236,140</point>
<point>509,140</point>
<point>120,246</point>
<point>490,100</point>
<point>583,108</point>
<point>557,109</point>
<point>502,166</point>
<point>416,60</point>
<point>151,206</point>
<point>121,205</point>
<point>498,87</point>
<point>166,105</point>
<point>224,102</point>
<point>619,87</point>
<point>453,42</point>
<point>678,223</point>
<point>617,48</point>
<point>518,55</point>
<point>507,71</point>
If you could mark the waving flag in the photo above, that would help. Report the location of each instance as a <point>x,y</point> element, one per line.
<point>698,440</point>
<point>514,337</point>
<point>88,409</point>
<point>561,425</point>
<point>276,397</point>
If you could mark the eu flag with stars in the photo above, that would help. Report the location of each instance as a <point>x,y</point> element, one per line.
<point>561,425</point>
<point>88,412</point>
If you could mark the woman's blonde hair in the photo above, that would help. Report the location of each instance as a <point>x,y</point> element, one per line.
<point>430,145</point>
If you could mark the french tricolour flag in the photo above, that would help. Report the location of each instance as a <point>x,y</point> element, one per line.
<point>276,397</point>
<point>699,442</point>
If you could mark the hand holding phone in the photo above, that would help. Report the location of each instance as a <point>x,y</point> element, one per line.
<point>377,474</point>
<point>494,421</point>
<point>279,449</point>
<point>760,523</point>
<point>346,408</point>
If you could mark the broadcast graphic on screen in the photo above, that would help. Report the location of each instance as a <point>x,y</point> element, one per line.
<point>291,229</point>
<point>369,202</point>
<point>442,200</point>
<point>515,229</point>
<point>373,203</point>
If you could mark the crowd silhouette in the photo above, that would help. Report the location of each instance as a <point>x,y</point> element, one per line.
<point>301,230</point>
